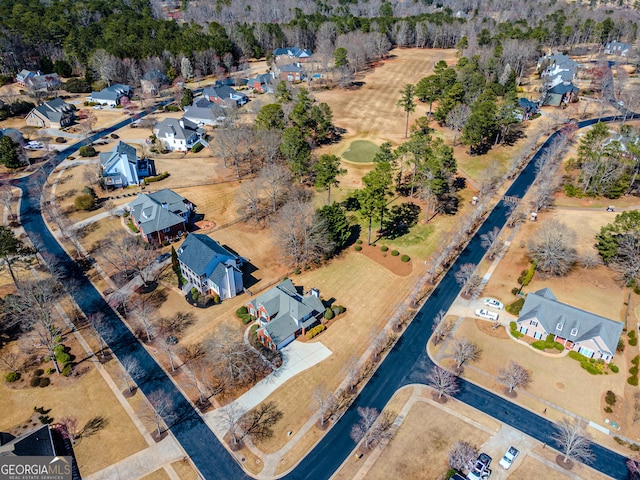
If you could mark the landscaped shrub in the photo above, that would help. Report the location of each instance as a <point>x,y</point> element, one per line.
<point>243,314</point>
<point>515,307</point>
<point>35,381</point>
<point>527,275</point>
<point>44,382</point>
<point>395,253</point>
<point>315,331</point>
<point>633,381</point>
<point>63,358</point>
<point>66,371</point>
<point>608,409</point>
<point>12,377</point>
<point>87,151</point>
<point>384,248</point>
<point>247,319</point>
<point>157,178</point>
<point>297,271</point>
<point>341,309</point>
<point>631,334</point>
<point>115,136</point>
<point>620,347</point>
<point>328,314</point>
<point>515,290</point>
<point>633,370</point>
<point>241,311</point>
<point>547,344</point>
<point>171,108</point>
<point>610,397</point>
<point>405,258</point>
<point>636,360</point>
<point>613,368</point>
<point>359,242</point>
<point>633,342</point>
<point>197,147</point>
<point>84,202</point>
<point>38,372</point>
<point>513,326</point>
<point>358,248</point>
<point>570,190</point>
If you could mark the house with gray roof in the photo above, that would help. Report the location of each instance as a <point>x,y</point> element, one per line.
<point>294,54</point>
<point>224,95</point>
<point>284,314</point>
<point>38,82</point>
<point>161,216</point>
<point>210,267</point>
<point>178,135</point>
<point>617,48</point>
<point>203,112</point>
<point>55,113</point>
<point>121,167</point>
<point>591,335</point>
<point>262,83</point>
<point>290,73</point>
<point>153,81</point>
<point>111,95</point>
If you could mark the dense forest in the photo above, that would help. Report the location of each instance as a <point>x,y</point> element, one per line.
<point>223,33</point>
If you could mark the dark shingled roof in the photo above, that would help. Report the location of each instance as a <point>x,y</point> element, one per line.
<point>204,255</point>
<point>35,443</point>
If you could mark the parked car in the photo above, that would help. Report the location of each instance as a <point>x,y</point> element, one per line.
<point>486,314</point>
<point>509,457</point>
<point>162,257</point>
<point>480,470</point>
<point>493,303</point>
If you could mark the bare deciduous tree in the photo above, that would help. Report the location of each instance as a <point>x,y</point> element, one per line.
<point>129,255</point>
<point>234,363</point>
<point>591,260</point>
<point>69,427</point>
<point>514,375</point>
<point>468,279</point>
<point>457,118</point>
<point>552,248</point>
<point>249,198</point>
<point>324,402</point>
<point>101,330</point>
<point>199,373</point>
<point>276,181</point>
<point>12,360</point>
<point>442,381</point>
<point>464,350</point>
<point>231,415</point>
<point>573,440</point>
<point>441,328</point>
<point>258,423</point>
<point>462,455</point>
<point>352,371</point>
<point>492,242</point>
<point>143,315</point>
<point>369,429</point>
<point>130,373</point>
<point>160,410</point>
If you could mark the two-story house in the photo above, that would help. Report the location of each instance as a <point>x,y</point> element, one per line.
<point>161,216</point>
<point>290,73</point>
<point>293,54</point>
<point>209,267</point>
<point>262,83</point>
<point>178,134</point>
<point>284,314</point>
<point>38,82</point>
<point>203,112</point>
<point>153,82</point>
<point>121,166</point>
<point>111,96</point>
<point>224,95</point>
<point>591,335</point>
<point>55,113</point>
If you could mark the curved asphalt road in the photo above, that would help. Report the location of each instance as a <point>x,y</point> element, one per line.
<point>406,363</point>
<point>207,453</point>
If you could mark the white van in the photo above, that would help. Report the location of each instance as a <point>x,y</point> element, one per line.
<point>486,314</point>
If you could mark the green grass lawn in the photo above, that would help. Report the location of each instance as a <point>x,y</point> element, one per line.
<point>360,151</point>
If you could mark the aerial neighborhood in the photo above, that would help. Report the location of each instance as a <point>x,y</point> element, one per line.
<point>366,240</point>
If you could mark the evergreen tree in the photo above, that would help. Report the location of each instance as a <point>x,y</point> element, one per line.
<point>327,169</point>
<point>297,152</point>
<point>337,224</point>
<point>407,103</point>
<point>428,90</point>
<point>9,156</point>
<point>270,117</point>
<point>12,250</point>
<point>187,98</point>
<point>282,93</point>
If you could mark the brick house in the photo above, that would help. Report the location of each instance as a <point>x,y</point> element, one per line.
<point>284,314</point>
<point>591,335</point>
<point>290,73</point>
<point>161,216</point>
<point>209,267</point>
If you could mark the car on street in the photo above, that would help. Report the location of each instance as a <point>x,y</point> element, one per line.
<point>509,457</point>
<point>493,303</point>
<point>486,314</point>
<point>480,470</point>
<point>163,257</point>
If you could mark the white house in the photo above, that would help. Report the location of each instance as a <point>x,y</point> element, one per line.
<point>178,134</point>
<point>112,95</point>
<point>121,166</point>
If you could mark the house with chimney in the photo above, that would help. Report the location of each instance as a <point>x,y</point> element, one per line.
<point>209,267</point>
<point>262,83</point>
<point>203,112</point>
<point>111,96</point>
<point>557,72</point>
<point>290,73</point>
<point>588,334</point>
<point>178,135</point>
<point>55,113</point>
<point>224,95</point>
<point>617,48</point>
<point>293,54</point>
<point>37,81</point>
<point>284,314</point>
<point>153,81</point>
<point>121,167</point>
<point>162,216</point>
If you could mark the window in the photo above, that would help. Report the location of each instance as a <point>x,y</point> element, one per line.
<point>586,352</point>
<point>537,335</point>
<point>559,327</point>
<point>533,323</point>
<point>574,332</point>
<point>166,230</point>
<point>523,330</point>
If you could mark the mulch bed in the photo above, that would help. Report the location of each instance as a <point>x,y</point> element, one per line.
<point>487,328</point>
<point>391,263</point>
<point>568,465</point>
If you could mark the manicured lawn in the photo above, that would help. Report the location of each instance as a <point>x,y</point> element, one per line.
<point>361,151</point>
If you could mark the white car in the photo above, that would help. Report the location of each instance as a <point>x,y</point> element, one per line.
<point>509,457</point>
<point>493,303</point>
<point>486,314</point>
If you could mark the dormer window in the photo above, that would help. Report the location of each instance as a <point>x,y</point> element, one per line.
<point>574,332</point>
<point>559,327</point>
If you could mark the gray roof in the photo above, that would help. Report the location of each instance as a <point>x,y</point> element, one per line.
<point>290,68</point>
<point>575,324</point>
<point>224,92</point>
<point>35,443</point>
<point>159,210</point>
<point>13,134</point>
<point>121,151</point>
<point>561,88</point>
<point>285,307</point>
<point>205,256</point>
<point>180,128</point>
<point>114,92</point>
<point>292,52</point>
<point>204,111</point>
<point>156,76</point>
<point>55,110</point>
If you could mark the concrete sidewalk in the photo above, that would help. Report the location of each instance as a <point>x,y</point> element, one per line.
<point>296,358</point>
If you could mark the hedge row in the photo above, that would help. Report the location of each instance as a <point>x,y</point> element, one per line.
<point>544,344</point>
<point>589,364</point>
<point>527,275</point>
<point>514,329</point>
<point>157,178</point>
<point>315,331</point>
